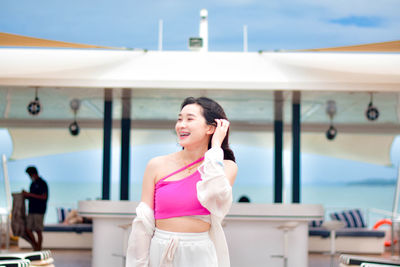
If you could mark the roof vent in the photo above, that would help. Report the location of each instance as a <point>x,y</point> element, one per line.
<point>195,43</point>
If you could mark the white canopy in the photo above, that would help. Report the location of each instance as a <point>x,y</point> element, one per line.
<point>43,142</point>
<point>196,70</point>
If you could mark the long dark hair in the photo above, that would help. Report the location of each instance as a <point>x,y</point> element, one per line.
<point>211,111</point>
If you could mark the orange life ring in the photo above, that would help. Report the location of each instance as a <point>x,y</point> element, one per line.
<point>388,243</point>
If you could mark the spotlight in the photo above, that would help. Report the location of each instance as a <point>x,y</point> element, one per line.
<point>372,113</point>
<point>34,107</point>
<point>74,128</point>
<point>331,133</point>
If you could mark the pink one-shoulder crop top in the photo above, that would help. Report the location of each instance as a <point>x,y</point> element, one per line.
<point>178,198</point>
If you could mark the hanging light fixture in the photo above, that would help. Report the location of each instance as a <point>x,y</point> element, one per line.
<point>34,107</point>
<point>74,127</point>
<point>372,113</point>
<point>331,111</point>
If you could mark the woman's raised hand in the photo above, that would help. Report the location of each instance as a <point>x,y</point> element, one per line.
<point>220,132</point>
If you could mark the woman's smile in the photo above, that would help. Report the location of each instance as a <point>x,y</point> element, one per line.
<point>183,135</point>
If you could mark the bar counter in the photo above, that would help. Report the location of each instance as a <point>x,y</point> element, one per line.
<point>256,233</point>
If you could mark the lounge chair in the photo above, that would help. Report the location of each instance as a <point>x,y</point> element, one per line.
<point>353,260</point>
<point>15,263</point>
<point>74,236</point>
<point>37,258</point>
<point>64,236</point>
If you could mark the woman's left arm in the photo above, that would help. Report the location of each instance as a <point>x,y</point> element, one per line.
<point>230,169</point>
<point>214,191</point>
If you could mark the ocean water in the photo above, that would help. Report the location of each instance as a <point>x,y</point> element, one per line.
<point>332,197</point>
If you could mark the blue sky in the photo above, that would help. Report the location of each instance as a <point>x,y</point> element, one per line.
<point>272,24</point>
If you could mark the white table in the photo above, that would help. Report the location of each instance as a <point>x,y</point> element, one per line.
<point>251,231</point>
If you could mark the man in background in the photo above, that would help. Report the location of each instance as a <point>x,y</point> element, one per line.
<point>37,196</point>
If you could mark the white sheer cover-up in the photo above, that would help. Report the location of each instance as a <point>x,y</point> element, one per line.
<point>137,254</point>
<point>214,193</point>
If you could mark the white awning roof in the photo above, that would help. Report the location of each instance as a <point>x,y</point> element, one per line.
<point>195,70</point>
<point>43,142</point>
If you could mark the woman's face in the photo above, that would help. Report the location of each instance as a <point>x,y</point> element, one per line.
<point>191,126</point>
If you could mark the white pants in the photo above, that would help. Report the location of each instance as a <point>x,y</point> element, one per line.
<point>170,249</point>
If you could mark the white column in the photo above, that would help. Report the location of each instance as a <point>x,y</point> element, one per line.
<point>203,31</point>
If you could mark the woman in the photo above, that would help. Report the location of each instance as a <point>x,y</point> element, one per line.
<point>185,195</point>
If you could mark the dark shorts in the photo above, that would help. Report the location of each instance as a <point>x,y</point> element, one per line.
<point>34,222</point>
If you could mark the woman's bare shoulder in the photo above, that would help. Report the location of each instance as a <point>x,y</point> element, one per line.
<point>161,166</point>
<point>230,164</point>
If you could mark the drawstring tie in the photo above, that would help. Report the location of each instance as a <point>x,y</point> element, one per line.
<point>169,252</point>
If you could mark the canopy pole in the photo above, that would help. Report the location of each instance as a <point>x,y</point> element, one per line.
<point>125,143</point>
<point>296,132</point>
<point>8,200</point>
<point>245,42</point>
<point>160,35</point>
<point>278,157</point>
<point>107,129</point>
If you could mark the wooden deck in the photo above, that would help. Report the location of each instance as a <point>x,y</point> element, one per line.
<point>82,258</point>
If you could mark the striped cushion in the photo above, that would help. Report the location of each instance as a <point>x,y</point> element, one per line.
<point>62,214</point>
<point>352,218</point>
<point>42,258</point>
<point>15,263</point>
<point>315,223</point>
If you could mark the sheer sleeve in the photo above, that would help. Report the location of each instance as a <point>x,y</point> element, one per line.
<point>215,194</point>
<point>214,191</point>
<point>143,225</point>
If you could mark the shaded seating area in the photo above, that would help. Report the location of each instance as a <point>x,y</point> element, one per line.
<point>71,232</point>
<point>354,237</point>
